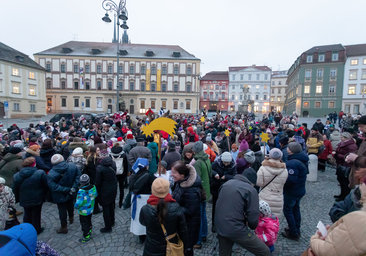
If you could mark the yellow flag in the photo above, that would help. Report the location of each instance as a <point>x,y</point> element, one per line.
<point>158,80</point>
<point>148,80</point>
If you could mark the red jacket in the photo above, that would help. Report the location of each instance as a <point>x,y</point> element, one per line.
<point>327,151</point>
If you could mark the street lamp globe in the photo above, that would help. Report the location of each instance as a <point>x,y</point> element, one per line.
<point>106,18</point>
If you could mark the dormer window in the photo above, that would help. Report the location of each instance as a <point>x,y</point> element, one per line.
<point>309,59</point>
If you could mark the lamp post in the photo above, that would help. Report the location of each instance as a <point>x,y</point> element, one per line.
<point>120,12</point>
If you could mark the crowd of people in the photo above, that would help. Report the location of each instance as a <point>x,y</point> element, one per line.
<point>88,164</point>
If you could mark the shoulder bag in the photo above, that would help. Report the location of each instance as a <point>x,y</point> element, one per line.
<point>173,249</point>
<point>268,183</point>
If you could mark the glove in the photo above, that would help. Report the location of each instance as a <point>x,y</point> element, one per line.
<point>72,191</point>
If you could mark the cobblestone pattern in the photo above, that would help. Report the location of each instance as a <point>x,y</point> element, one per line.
<point>314,207</point>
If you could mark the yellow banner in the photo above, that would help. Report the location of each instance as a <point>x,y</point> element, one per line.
<point>147,79</point>
<point>158,80</point>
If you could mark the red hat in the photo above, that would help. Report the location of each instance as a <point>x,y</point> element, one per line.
<point>129,136</point>
<point>119,139</point>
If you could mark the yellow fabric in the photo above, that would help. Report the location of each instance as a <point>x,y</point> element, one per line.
<point>313,145</point>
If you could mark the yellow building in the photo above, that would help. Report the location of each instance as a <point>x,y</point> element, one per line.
<point>82,77</point>
<point>22,85</point>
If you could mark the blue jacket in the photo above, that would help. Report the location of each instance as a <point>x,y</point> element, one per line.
<point>85,200</point>
<point>62,177</point>
<point>350,204</point>
<point>297,167</point>
<point>20,240</point>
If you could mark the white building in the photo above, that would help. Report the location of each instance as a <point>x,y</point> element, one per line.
<point>257,79</point>
<point>22,85</point>
<point>278,90</point>
<point>354,86</point>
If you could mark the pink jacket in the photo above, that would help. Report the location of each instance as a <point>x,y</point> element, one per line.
<point>267,229</point>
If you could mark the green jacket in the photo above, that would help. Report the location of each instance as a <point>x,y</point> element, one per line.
<point>203,169</point>
<point>10,165</point>
<point>153,167</point>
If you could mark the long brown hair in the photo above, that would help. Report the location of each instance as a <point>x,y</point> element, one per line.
<point>92,155</point>
<point>161,209</point>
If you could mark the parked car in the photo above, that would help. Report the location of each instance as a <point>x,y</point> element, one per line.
<point>87,116</point>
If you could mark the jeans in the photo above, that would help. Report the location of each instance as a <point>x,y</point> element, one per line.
<point>108,215</point>
<point>86,224</point>
<point>203,226</point>
<point>32,215</point>
<point>64,209</point>
<point>248,241</point>
<point>291,210</point>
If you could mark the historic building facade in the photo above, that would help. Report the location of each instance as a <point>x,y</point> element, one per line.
<point>278,90</point>
<point>82,77</point>
<point>22,85</point>
<point>315,81</point>
<point>214,91</point>
<point>256,81</point>
<point>354,88</point>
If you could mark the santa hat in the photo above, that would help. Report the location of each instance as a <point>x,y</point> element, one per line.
<point>129,136</point>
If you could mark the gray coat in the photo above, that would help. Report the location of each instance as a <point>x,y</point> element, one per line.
<point>237,208</point>
<point>138,152</point>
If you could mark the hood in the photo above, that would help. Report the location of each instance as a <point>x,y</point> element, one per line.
<point>106,161</point>
<point>201,155</point>
<point>241,177</point>
<point>11,157</point>
<point>302,156</point>
<point>131,142</point>
<point>273,166</point>
<point>60,167</point>
<point>116,151</point>
<point>153,145</point>
<point>191,179</point>
<point>27,172</point>
<point>33,153</point>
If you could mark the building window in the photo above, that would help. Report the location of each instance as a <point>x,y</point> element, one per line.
<point>363,89</point>
<point>16,107</point>
<point>99,85</point>
<point>76,103</point>
<point>143,70</point>
<point>265,76</point>
<point>175,87</point>
<point>272,98</point>
<point>120,69</point>
<point>257,97</point>
<point>189,71</point>
<point>132,69</point>
<point>205,95</point>
<point>258,76</point>
<point>232,97</point>
<point>354,62</point>
<point>188,105</point>
<point>279,90</point>
<point>152,104</point>
<point>153,70</point>
<point>99,102</point>
<point>48,67</point>
<point>153,87</point>
<point>364,61</point>
<point>273,91</point>
<point>16,88</point>
<point>132,86</point>
<point>347,108</point>
<point>233,77</point>
<point>175,104</point>
<point>143,86</point>
<point>257,86</point>
<point>241,77</point>
<point>87,68</point>
<point>49,102</point>
<point>363,74</point>
<point>319,89</point>
<point>142,104</point>
<point>110,85</point>
<point>176,70</point>
<point>32,90</point>
<point>356,109</point>
<point>164,70</point>
<point>217,96</point>
<point>353,74</point>
<point>15,72</point>
<point>332,89</point>
<point>63,68</point>
<point>321,58</point>
<point>163,103</point>
<point>333,73</point>
<point>335,56</point>
<point>31,75</point>
<point>306,104</point>
<point>76,85</point>
<point>63,102</point>
<point>189,88</point>
<point>32,108</point>
<point>273,83</point>
<point>308,74</point>
<point>309,59</point>
<point>319,74</point>
<point>110,69</point>
<point>87,103</point>
<point>264,97</point>
<point>163,87</point>
<point>99,68</point>
<point>317,104</point>
<point>307,89</point>
<point>48,84</point>
<point>87,85</point>
<point>351,89</point>
<point>331,104</point>
<point>120,85</point>
<point>249,77</point>
<point>278,98</point>
<point>76,68</point>
<point>279,83</point>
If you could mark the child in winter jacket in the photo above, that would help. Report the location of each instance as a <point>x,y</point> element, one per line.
<point>268,225</point>
<point>85,205</point>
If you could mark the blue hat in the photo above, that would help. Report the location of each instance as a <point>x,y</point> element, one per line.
<point>140,163</point>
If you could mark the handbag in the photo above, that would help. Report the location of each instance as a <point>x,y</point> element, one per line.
<point>343,171</point>
<point>173,249</point>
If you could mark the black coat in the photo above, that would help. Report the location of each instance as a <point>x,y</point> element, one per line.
<point>91,169</point>
<point>141,182</point>
<point>174,222</point>
<point>219,168</point>
<point>106,181</point>
<point>30,186</point>
<point>46,155</point>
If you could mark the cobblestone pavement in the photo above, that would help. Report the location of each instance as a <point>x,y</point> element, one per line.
<point>314,207</point>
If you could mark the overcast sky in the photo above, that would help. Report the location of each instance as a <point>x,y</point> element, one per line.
<point>220,33</point>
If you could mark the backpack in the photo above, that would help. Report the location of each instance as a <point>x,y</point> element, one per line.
<point>119,165</point>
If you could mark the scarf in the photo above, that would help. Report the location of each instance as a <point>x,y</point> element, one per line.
<point>154,200</point>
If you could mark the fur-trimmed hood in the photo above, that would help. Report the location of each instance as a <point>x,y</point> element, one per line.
<point>191,179</point>
<point>33,153</point>
<point>275,167</point>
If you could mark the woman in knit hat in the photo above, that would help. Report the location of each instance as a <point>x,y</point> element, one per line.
<point>161,210</point>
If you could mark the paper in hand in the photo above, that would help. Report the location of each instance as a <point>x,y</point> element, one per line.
<point>322,229</point>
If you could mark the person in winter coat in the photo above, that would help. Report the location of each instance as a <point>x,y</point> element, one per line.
<point>187,191</point>
<point>78,159</point>
<point>106,183</point>
<point>271,178</point>
<point>210,153</point>
<point>130,143</point>
<point>85,200</point>
<point>11,164</point>
<point>140,151</point>
<point>187,154</point>
<point>19,240</point>
<point>153,147</point>
<point>161,209</point>
<point>30,188</point>
<point>223,169</point>
<point>34,151</point>
<point>78,143</point>
<point>237,215</point>
<point>172,156</point>
<point>314,142</point>
<point>7,199</point>
<point>119,157</point>
<point>294,189</point>
<point>323,156</point>
<point>345,237</point>
<point>63,182</point>
<point>47,152</point>
<point>335,138</point>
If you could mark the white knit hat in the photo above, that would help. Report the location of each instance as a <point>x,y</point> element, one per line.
<point>2,180</point>
<point>57,158</point>
<point>77,151</point>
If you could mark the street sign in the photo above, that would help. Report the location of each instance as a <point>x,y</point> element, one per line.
<point>6,106</point>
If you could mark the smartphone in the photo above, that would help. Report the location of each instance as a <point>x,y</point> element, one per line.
<point>322,229</point>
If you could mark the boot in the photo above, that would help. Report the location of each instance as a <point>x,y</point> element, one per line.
<point>62,230</point>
